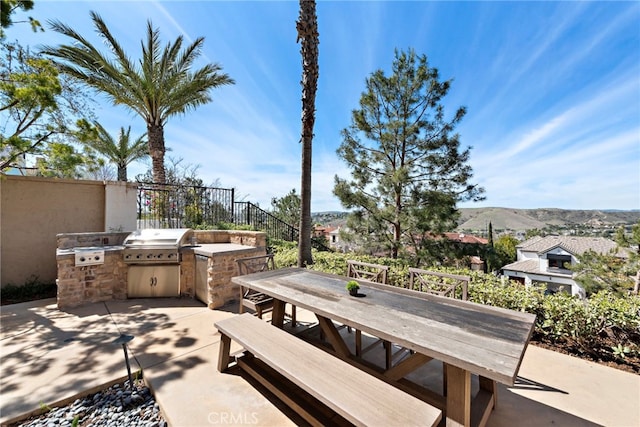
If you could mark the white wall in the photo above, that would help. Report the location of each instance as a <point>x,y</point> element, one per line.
<point>522,255</point>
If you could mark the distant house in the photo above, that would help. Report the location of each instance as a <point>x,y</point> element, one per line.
<point>468,245</point>
<point>544,260</point>
<point>466,238</point>
<point>332,236</point>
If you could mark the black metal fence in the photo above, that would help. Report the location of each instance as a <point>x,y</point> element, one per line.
<point>178,206</point>
<point>181,206</point>
<point>246,213</point>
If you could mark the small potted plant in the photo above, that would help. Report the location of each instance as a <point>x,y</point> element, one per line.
<point>353,287</point>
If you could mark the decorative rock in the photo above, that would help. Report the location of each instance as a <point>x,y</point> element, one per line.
<point>114,406</point>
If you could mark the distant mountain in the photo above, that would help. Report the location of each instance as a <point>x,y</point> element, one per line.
<point>477,219</point>
<point>525,219</point>
<point>332,218</point>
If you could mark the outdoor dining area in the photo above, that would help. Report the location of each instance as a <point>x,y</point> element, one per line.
<point>321,369</point>
<point>52,357</point>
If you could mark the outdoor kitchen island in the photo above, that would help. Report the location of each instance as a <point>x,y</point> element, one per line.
<point>204,268</point>
<point>214,266</point>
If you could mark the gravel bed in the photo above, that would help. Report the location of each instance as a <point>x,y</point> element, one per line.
<point>116,406</point>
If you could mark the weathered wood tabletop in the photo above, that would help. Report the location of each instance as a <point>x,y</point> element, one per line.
<point>469,338</point>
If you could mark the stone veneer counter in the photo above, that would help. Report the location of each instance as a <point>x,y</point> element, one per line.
<point>213,272</point>
<point>78,285</point>
<point>211,249</point>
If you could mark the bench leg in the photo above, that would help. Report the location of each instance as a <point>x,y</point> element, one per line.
<point>223,354</point>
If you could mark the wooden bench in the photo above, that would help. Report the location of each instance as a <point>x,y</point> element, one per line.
<point>358,397</point>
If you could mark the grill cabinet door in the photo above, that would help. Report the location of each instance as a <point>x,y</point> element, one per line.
<point>153,281</point>
<point>167,281</point>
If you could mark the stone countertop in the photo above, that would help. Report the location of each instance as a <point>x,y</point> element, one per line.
<point>206,249</point>
<point>210,249</point>
<point>72,251</point>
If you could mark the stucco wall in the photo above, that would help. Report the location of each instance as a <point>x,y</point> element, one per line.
<point>120,206</point>
<point>33,211</point>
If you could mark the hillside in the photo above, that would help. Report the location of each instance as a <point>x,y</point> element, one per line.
<point>525,219</point>
<point>472,219</point>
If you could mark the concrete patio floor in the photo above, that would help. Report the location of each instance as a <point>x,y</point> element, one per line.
<point>49,356</point>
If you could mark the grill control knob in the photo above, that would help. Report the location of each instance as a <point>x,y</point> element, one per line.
<point>149,256</point>
<point>82,259</point>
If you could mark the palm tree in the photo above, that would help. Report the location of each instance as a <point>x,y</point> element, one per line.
<point>162,86</point>
<point>307,26</point>
<point>121,153</point>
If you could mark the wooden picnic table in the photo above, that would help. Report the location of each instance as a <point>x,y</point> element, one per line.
<point>468,338</point>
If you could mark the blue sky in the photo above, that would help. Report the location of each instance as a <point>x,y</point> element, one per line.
<point>552,90</point>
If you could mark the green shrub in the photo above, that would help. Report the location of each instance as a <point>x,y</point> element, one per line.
<point>33,289</point>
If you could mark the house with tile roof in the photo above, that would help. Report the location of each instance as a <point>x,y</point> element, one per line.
<point>545,260</point>
<point>332,236</point>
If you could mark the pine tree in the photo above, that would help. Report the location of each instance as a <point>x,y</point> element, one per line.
<point>407,169</point>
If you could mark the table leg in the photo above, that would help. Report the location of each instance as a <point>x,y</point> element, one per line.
<point>277,317</point>
<point>333,336</point>
<point>293,316</point>
<point>484,402</point>
<point>388,354</point>
<point>490,386</point>
<point>407,366</point>
<point>458,410</point>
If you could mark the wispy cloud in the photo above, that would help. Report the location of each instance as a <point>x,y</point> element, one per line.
<point>169,17</point>
<point>627,17</point>
<point>552,89</point>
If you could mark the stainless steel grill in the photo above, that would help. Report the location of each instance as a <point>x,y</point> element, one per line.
<point>156,246</point>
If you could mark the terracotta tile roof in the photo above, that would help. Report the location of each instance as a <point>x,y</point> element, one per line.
<point>466,238</point>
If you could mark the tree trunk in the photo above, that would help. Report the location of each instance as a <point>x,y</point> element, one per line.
<point>397,236</point>
<point>307,26</point>
<point>397,224</point>
<point>122,172</point>
<point>155,133</point>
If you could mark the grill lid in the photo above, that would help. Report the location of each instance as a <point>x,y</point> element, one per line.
<point>159,238</point>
